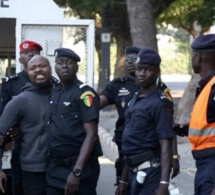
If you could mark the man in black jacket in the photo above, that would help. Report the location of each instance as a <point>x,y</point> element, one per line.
<point>29,111</point>
<point>11,87</point>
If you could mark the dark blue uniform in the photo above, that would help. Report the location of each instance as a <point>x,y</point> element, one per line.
<point>119,92</point>
<point>148,120</point>
<point>11,86</point>
<point>205,176</point>
<point>70,111</point>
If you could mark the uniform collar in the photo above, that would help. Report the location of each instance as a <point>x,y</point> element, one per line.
<point>203,82</point>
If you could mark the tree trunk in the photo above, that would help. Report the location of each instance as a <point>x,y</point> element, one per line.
<point>122,41</point>
<point>142,23</point>
<point>186,103</point>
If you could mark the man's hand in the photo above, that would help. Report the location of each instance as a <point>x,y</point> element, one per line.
<point>175,168</point>
<point>181,129</point>
<point>13,134</point>
<point>2,178</point>
<point>72,184</point>
<point>162,190</point>
<point>2,140</point>
<point>121,189</point>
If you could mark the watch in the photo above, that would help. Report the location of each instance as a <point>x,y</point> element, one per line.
<point>77,172</point>
<point>176,157</point>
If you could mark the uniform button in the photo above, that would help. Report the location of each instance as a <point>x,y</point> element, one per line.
<point>48,122</point>
<point>61,116</point>
<point>76,116</point>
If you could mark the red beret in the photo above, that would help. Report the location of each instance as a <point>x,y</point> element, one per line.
<point>29,45</point>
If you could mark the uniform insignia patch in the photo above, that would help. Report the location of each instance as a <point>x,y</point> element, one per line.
<point>87,97</point>
<point>163,96</point>
<point>25,45</point>
<point>123,103</point>
<point>66,103</point>
<point>168,94</point>
<point>123,91</point>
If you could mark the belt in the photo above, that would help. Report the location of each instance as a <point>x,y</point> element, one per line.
<point>65,162</point>
<point>205,153</point>
<point>146,164</point>
<point>139,158</point>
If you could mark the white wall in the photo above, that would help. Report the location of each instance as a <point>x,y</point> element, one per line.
<point>30,9</point>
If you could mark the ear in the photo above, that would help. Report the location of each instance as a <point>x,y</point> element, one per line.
<point>20,61</point>
<point>198,57</point>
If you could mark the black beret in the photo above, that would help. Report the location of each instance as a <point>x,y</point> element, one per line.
<point>131,49</point>
<point>148,56</point>
<point>66,53</point>
<point>204,43</point>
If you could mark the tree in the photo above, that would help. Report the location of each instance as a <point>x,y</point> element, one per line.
<point>192,16</point>
<point>120,29</point>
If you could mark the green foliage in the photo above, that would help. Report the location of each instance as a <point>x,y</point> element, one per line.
<point>84,8</point>
<point>183,13</point>
<point>175,54</point>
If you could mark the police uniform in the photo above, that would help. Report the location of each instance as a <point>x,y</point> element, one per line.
<point>148,120</point>
<point>119,92</point>
<point>71,108</point>
<point>202,123</point>
<point>11,87</point>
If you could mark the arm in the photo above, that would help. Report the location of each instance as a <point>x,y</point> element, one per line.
<point>103,101</point>
<point>2,174</point>
<point>175,159</point>
<point>91,130</point>
<point>166,162</point>
<point>123,182</point>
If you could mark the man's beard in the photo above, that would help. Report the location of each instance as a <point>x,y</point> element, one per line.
<point>43,85</point>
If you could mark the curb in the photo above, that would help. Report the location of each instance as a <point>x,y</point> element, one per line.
<point>107,138</point>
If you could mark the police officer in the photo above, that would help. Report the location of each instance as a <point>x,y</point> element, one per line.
<point>202,123</point>
<point>147,137</point>
<point>11,86</point>
<point>119,92</point>
<point>73,147</point>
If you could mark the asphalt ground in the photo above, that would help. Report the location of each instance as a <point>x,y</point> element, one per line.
<point>184,181</point>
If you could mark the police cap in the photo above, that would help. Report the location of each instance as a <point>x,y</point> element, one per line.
<point>29,45</point>
<point>204,43</point>
<point>131,49</point>
<point>148,56</point>
<point>66,53</point>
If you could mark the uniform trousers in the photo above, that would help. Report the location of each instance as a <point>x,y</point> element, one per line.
<point>151,183</point>
<point>205,176</point>
<point>34,183</point>
<point>16,169</point>
<point>57,176</point>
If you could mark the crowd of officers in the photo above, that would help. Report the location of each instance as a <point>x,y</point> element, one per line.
<point>54,124</point>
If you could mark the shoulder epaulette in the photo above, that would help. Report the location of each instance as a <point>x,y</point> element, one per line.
<point>55,80</point>
<point>82,85</point>
<point>12,77</point>
<point>166,95</point>
<point>120,79</point>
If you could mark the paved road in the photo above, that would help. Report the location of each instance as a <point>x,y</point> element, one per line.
<point>184,181</point>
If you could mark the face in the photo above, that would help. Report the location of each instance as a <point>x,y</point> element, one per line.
<point>25,56</point>
<point>39,70</point>
<point>66,69</point>
<point>130,60</point>
<point>147,75</point>
<point>195,62</point>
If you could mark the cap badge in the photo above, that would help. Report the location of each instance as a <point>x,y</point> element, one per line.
<point>66,103</point>
<point>25,45</point>
<point>137,60</point>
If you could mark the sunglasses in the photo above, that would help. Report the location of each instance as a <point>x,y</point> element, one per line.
<point>130,59</point>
